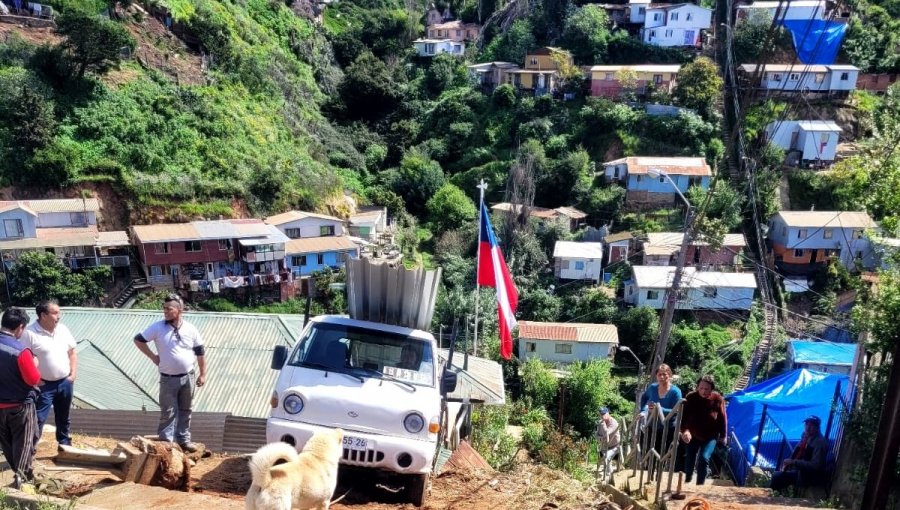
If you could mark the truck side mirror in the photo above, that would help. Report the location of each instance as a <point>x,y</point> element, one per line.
<point>448,382</point>
<point>279,357</point>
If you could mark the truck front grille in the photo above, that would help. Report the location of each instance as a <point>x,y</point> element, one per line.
<point>362,456</point>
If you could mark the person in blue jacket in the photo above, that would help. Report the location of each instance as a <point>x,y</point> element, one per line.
<point>664,394</point>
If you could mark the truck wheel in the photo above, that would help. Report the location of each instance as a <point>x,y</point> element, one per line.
<point>417,489</point>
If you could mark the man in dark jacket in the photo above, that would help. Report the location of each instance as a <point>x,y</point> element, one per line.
<point>18,379</point>
<point>806,465</point>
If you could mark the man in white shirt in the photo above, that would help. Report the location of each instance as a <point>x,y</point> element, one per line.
<point>177,343</point>
<point>54,346</point>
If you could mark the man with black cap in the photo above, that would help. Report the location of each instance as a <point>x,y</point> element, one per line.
<point>806,465</point>
<point>608,438</point>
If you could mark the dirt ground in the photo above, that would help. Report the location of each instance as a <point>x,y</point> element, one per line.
<point>528,486</point>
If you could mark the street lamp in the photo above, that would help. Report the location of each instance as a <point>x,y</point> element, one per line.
<point>637,390</point>
<point>665,326</point>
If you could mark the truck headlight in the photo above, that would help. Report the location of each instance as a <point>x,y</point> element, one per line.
<point>293,404</point>
<point>413,423</point>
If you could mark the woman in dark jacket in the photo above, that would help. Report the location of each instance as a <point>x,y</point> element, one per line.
<point>704,423</point>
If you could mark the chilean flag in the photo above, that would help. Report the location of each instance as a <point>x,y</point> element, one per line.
<point>492,272</point>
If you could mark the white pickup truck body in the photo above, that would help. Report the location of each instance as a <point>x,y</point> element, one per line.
<point>352,374</point>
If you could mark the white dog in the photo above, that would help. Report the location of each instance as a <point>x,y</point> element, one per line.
<point>284,479</point>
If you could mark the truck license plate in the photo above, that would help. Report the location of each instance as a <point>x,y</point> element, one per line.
<point>355,443</point>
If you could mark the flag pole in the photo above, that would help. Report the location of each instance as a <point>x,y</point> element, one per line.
<point>481,187</point>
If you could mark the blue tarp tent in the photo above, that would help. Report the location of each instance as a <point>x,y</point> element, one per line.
<point>790,398</point>
<point>816,41</point>
<point>830,357</point>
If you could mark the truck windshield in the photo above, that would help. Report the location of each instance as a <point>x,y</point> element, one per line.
<point>342,348</point>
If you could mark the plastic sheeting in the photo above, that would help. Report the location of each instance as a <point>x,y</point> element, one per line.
<point>790,397</point>
<point>822,353</point>
<point>816,41</point>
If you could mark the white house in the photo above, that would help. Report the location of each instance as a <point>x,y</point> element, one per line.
<point>432,47</point>
<point>675,24</point>
<point>637,11</point>
<point>578,261</point>
<point>300,224</point>
<point>368,223</point>
<point>815,140</point>
<point>566,342</point>
<point>791,10</point>
<point>806,78</point>
<point>700,290</point>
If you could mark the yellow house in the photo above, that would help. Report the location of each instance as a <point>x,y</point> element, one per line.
<point>605,80</point>
<point>540,74</point>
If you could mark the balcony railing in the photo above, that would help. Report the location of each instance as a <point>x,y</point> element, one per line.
<point>87,262</point>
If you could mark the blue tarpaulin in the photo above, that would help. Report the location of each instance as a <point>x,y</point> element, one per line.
<point>816,41</point>
<point>821,353</point>
<point>790,397</point>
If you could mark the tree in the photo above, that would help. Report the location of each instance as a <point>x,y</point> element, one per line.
<point>588,387</point>
<point>369,90</point>
<point>31,127</point>
<point>638,329</point>
<point>513,44</point>
<point>628,79</point>
<point>94,44</point>
<point>539,384</point>
<point>445,69</point>
<point>586,33</point>
<point>699,86</point>
<point>450,208</point>
<point>417,180</point>
<point>538,305</point>
<point>39,275</point>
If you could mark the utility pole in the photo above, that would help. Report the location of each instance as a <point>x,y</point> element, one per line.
<point>880,477</point>
<point>672,295</point>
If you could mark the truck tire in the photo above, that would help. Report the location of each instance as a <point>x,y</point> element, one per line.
<point>417,489</point>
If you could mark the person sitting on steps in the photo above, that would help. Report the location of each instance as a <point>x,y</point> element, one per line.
<point>806,465</point>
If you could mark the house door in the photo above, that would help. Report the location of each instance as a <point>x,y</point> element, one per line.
<point>173,269</point>
<point>210,271</point>
<point>794,137</point>
<point>688,37</point>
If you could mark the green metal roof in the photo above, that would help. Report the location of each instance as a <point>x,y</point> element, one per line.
<point>113,374</point>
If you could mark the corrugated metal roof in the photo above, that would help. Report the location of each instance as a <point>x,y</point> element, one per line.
<point>837,219</point>
<point>569,331</point>
<point>619,236</point>
<point>483,381</point>
<point>785,68</point>
<point>660,277</point>
<point>573,249</point>
<point>239,352</point>
<point>571,212</point>
<point>819,125</point>
<point>197,230</point>
<point>287,217</point>
<point>663,243</point>
<point>671,166</point>
<point>67,237</point>
<point>648,68</point>
<point>56,205</point>
<point>319,245</point>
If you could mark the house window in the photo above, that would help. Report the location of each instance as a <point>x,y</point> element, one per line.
<point>652,295</point>
<point>13,228</point>
<point>341,257</point>
<point>653,33</point>
<point>662,178</point>
<point>668,33</point>
<point>298,260</point>
<point>579,265</point>
<point>827,233</point>
<point>563,348</point>
<point>326,230</point>
<point>688,17</point>
<point>192,246</point>
<point>458,33</point>
<point>161,248</point>
<point>78,218</point>
<point>783,231</point>
<point>798,253</point>
<point>801,234</point>
<point>794,76</point>
<point>534,61</point>
<point>642,11</point>
<point>845,76</point>
<point>429,49</point>
<point>776,76</point>
<point>293,233</point>
<point>673,16</point>
<point>656,16</point>
<point>530,347</point>
<point>710,292</point>
<point>639,178</point>
<point>820,77</point>
<point>856,234</point>
<point>657,79</point>
<point>320,258</point>
<point>224,244</point>
<point>609,77</point>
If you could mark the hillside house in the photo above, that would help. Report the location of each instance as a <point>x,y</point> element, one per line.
<point>887,251</point>
<point>578,261</point>
<point>304,256</point>
<point>792,10</point>
<point>810,79</point>
<point>369,223</point>
<point>606,80</point>
<point>434,16</point>
<point>805,141</point>
<point>456,31</point>
<point>432,47</point>
<point>617,13</point>
<point>65,227</point>
<point>540,74</point>
<point>828,357</point>
<point>644,189</point>
<point>199,254</point>
<point>675,24</point>
<point>299,224</point>
<point>700,290</point>
<point>661,249</point>
<point>800,242</point>
<point>637,11</point>
<point>490,75</point>
<point>566,342</point>
<point>618,246</point>
<point>571,217</point>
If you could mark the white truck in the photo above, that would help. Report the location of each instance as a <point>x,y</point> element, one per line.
<point>382,384</point>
